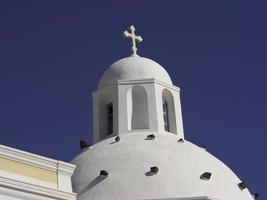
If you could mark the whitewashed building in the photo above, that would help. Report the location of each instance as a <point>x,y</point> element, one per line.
<point>139,149</point>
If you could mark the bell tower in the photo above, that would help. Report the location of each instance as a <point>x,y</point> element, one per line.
<point>136,94</point>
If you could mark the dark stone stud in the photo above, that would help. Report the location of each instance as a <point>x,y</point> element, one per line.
<point>205,176</point>
<point>150,137</point>
<point>243,185</point>
<point>181,140</point>
<point>83,144</point>
<point>103,173</point>
<point>117,138</point>
<point>255,195</point>
<point>154,169</point>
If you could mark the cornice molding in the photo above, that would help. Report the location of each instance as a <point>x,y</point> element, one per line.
<point>65,168</point>
<point>20,189</point>
<point>137,81</point>
<point>35,160</point>
<point>146,81</point>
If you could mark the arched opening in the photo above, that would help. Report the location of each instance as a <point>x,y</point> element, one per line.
<point>105,114</point>
<point>168,111</point>
<point>166,121</point>
<point>139,108</point>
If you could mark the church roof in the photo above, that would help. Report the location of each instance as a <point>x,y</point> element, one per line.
<point>134,68</point>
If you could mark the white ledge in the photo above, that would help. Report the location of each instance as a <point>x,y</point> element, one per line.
<point>137,81</point>
<point>20,188</point>
<point>144,81</point>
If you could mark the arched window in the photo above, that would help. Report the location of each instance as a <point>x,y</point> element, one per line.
<point>166,116</point>
<point>106,114</point>
<point>168,111</point>
<point>139,108</point>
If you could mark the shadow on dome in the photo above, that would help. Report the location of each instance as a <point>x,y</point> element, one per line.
<point>93,183</point>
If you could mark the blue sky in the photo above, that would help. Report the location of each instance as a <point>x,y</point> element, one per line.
<point>54,52</point>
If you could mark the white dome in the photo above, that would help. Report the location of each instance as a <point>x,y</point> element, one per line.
<point>133,68</point>
<point>128,161</point>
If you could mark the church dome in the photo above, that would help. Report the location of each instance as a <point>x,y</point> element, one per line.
<point>128,162</point>
<point>134,68</point>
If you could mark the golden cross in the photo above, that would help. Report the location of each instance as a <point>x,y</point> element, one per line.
<point>130,33</point>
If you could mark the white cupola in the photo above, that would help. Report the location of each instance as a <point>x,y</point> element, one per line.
<point>136,94</point>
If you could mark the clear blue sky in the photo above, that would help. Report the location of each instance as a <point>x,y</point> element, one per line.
<point>52,55</point>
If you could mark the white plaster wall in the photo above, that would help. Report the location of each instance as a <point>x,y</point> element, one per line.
<point>178,113</point>
<point>124,108</point>
<point>152,106</point>
<point>100,99</point>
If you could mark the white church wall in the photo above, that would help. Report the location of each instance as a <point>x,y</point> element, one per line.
<point>124,107</point>
<point>152,106</point>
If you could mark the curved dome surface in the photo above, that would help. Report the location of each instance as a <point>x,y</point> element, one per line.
<point>128,163</point>
<point>133,68</point>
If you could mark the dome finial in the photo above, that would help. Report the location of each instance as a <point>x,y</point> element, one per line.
<point>130,33</point>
